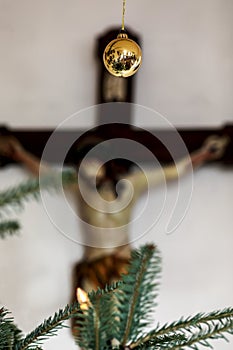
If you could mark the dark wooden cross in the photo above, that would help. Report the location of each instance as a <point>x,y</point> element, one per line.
<point>112,89</point>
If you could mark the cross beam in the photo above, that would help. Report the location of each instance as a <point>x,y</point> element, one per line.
<point>34,140</point>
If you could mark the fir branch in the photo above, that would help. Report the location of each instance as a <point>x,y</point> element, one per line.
<point>113,321</point>
<point>16,196</point>
<point>97,317</point>
<point>86,333</point>
<point>9,332</point>
<point>203,335</point>
<point>137,293</point>
<point>48,328</point>
<point>105,307</point>
<point>97,325</point>
<point>197,320</point>
<point>201,327</point>
<point>9,228</point>
<point>159,343</point>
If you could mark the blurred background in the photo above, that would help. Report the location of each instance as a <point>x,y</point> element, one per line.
<point>49,70</point>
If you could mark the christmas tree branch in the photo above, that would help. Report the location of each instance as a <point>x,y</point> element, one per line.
<point>85,332</point>
<point>113,318</point>
<point>8,228</point>
<point>16,196</point>
<point>137,292</point>
<point>48,328</point>
<point>201,326</point>
<point>98,324</point>
<point>201,337</point>
<point>9,333</point>
<point>198,320</point>
<point>97,315</point>
<point>159,343</point>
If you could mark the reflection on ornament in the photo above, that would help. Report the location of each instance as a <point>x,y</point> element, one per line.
<point>122,56</point>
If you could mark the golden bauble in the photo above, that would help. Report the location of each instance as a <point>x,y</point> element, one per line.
<point>122,56</point>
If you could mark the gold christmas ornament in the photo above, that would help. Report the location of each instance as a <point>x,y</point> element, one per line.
<point>122,56</point>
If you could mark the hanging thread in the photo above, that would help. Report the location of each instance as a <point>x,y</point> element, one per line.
<point>123,15</point>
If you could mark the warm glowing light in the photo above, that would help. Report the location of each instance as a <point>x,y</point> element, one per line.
<point>83,299</point>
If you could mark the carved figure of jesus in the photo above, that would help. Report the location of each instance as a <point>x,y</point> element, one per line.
<point>99,265</point>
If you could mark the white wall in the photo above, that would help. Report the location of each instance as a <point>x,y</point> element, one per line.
<point>48,67</point>
<point>48,72</point>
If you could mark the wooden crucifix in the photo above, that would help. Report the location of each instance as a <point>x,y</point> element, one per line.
<point>100,265</point>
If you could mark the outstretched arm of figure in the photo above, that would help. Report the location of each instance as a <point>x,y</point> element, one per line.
<point>10,147</point>
<point>213,148</point>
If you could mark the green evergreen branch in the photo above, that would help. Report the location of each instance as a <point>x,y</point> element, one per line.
<point>48,328</point>
<point>114,318</point>
<point>201,326</point>
<point>17,195</point>
<point>86,332</point>
<point>97,317</point>
<point>197,320</point>
<point>137,292</point>
<point>202,336</point>
<point>97,324</point>
<point>106,316</point>
<point>8,228</point>
<point>161,343</point>
<point>9,332</point>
